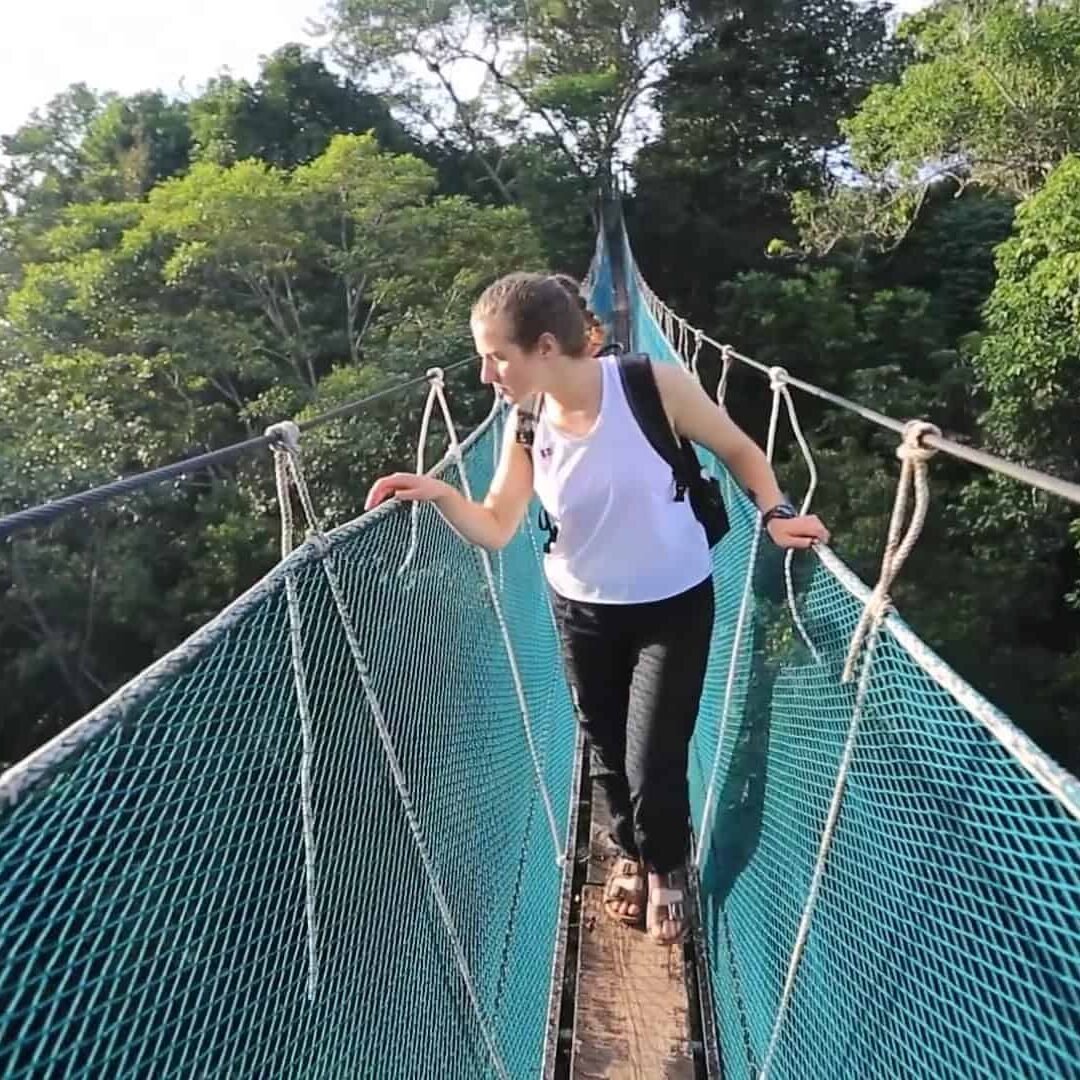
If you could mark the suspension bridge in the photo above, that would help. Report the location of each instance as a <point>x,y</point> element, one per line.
<point>336,832</point>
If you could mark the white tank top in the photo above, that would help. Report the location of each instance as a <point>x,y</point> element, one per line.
<point>622,537</point>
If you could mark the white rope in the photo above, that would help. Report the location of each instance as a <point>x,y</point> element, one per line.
<point>698,340</point>
<point>913,475</point>
<point>414,510</point>
<point>438,393</point>
<point>287,440</point>
<point>727,358</point>
<point>1055,485</point>
<point>291,453</point>
<point>778,381</point>
<point>827,834</point>
<point>736,649</point>
<point>1056,781</point>
<point>499,432</point>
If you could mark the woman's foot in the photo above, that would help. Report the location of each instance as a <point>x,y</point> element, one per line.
<point>666,921</point>
<point>624,891</point>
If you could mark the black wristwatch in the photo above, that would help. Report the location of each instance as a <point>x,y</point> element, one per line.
<point>780,510</point>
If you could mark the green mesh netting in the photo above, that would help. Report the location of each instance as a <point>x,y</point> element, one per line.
<point>153,917</point>
<point>945,940</point>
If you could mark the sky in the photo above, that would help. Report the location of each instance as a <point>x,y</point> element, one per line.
<point>132,45</point>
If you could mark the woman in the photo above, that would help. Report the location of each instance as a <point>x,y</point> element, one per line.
<point>630,569</point>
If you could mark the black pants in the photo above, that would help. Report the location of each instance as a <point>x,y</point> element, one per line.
<point>637,672</point>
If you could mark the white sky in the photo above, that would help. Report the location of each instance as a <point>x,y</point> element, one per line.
<point>133,45</point>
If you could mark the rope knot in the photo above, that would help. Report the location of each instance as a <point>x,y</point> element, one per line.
<point>436,376</point>
<point>284,435</point>
<point>912,448</point>
<point>778,378</point>
<point>899,542</point>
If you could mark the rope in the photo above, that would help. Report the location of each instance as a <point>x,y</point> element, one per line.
<point>291,456</point>
<point>698,341</point>
<point>421,444</point>
<point>48,512</point>
<point>727,358</point>
<point>1054,485</point>
<point>827,834</point>
<point>437,393</point>
<point>913,476</point>
<point>778,378</point>
<point>736,648</point>
<point>1058,782</point>
<point>285,441</point>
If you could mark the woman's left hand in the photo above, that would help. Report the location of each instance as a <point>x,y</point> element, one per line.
<point>798,532</point>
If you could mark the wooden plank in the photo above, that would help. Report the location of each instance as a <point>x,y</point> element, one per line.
<point>631,1019</point>
<point>602,849</point>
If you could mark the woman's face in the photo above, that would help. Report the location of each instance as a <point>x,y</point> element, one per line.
<point>514,372</point>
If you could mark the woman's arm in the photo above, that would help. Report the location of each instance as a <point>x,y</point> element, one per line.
<point>492,523</point>
<point>695,416</point>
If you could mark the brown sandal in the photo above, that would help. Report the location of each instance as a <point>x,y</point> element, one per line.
<point>667,905</point>
<point>625,884</point>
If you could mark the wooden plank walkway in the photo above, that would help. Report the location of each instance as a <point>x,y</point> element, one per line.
<point>631,1019</point>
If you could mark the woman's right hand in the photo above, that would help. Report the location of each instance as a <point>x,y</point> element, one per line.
<point>409,487</point>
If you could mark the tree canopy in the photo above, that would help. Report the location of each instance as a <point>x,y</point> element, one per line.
<point>891,215</point>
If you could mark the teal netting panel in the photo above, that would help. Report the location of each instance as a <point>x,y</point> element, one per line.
<point>153,909</point>
<point>945,941</point>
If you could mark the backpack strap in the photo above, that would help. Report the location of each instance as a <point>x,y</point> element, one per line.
<point>525,434</point>
<point>525,428</point>
<point>643,395</point>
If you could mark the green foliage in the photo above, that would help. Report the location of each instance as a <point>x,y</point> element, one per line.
<point>176,275</point>
<point>574,70</point>
<point>133,144</point>
<point>149,330</point>
<point>1029,362</point>
<point>749,113</point>
<point>289,115</point>
<point>992,99</point>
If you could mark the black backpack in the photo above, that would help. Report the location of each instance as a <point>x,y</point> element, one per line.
<point>689,479</point>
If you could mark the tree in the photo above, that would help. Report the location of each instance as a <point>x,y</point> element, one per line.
<point>1029,363</point>
<point>750,114</point>
<point>41,167</point>
<point>289,115</point>
<point>148,330</point>
<point>573,70</point>
<point>134,143</point>
<point>992,99</point>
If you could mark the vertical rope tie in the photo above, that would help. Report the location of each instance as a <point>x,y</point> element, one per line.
<point>287,461</point>
<point>699,337</point>
<point>727,358</point>
<point>286,448</point>
<point>736,653</point>
<point>437,394</point>
<point>914,455</point>
<point>828,832</point>
<point>778,383</point>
